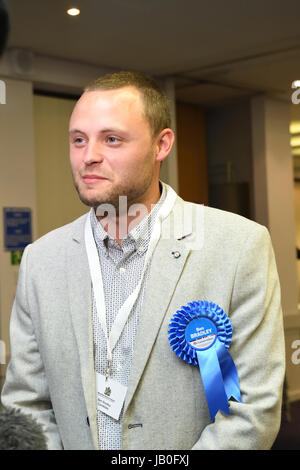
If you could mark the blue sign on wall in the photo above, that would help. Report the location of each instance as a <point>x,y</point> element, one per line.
<point>17,228</point>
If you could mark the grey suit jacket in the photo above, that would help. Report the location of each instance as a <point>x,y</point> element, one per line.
<point>51,372</point>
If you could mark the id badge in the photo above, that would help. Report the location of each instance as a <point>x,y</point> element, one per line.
<point>110,396</point>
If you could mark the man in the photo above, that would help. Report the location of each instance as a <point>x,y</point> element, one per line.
<point>90,354</point>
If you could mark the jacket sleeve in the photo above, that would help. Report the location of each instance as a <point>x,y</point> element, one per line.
<point>258,351</point>
<point>26,387</point>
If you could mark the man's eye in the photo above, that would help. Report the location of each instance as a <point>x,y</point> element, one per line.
<point>78,140</point>
<point>112,140</point>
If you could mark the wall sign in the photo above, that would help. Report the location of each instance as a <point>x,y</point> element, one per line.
<point>17,228</point>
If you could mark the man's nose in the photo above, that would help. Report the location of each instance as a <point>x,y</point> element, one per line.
<point>93,153</point>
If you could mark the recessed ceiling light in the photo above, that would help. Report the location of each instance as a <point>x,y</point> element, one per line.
<point>73,11</point>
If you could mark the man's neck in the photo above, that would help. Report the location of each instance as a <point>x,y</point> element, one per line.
<point>123,223</point>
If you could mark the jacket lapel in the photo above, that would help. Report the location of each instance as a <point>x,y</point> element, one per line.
<point>79,288</point>
<point>165,270</point>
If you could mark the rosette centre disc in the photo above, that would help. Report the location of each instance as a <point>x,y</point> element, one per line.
<point>201,333</point>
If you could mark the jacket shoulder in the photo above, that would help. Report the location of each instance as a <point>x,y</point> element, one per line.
<point>60,235</point>
<point>231,219</point>
<point>220,224</point>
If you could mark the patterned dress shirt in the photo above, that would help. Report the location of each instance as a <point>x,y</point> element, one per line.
<point>121,269</point>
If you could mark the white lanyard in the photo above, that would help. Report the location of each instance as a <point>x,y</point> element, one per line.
<point>97,282</point>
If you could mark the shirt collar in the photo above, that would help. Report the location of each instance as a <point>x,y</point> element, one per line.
<point>139,235</point>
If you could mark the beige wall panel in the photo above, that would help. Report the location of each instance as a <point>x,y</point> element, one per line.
<point>57,199</point>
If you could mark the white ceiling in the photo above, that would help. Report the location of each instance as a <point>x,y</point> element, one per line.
<point>216,50</point>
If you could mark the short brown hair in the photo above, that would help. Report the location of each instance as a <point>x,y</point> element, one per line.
<point>156,104</point>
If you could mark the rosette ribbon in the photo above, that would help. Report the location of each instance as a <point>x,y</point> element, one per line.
<point>200,333</point>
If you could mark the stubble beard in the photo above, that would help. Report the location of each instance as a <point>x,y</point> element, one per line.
<point>133,192</point>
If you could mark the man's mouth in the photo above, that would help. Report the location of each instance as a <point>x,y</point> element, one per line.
<point>88,179</point>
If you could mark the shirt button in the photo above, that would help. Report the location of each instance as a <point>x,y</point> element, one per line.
<point>122,270</point>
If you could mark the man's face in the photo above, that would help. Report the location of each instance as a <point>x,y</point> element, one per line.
<point>112,152</point>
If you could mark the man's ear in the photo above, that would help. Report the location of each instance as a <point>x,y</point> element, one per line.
<point>164,144</point>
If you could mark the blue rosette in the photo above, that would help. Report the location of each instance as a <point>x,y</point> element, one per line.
<point>200,333</point>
